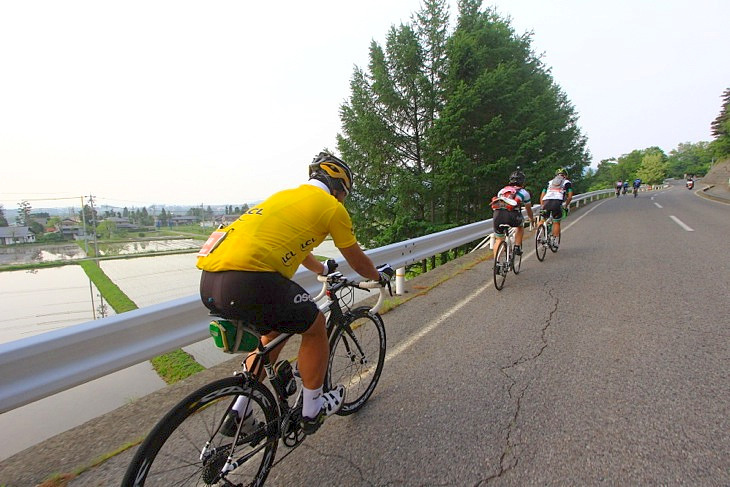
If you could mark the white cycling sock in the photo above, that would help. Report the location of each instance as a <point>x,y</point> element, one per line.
<point>242,406</point>
<point>312,402</point>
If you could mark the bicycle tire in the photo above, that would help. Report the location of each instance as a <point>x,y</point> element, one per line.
<point>171,452</point>
<point>516,262</point>
<point>541,242</point>
<point>357,355</point>
<point>501,266</point>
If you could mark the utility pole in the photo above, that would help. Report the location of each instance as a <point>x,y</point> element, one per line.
<point>93,219</point>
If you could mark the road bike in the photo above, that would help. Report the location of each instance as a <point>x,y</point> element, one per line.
<point>194,445</point>
<point>505,258</point>
<point>544,238</point>
<point>636,191</point>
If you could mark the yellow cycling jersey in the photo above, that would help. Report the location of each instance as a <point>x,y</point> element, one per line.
<point>277,234</point>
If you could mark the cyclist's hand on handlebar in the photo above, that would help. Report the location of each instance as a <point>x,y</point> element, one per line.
<point>386,274</point>
<point>329,267</point>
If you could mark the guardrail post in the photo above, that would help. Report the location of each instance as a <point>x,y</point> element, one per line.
<point>400,281</point>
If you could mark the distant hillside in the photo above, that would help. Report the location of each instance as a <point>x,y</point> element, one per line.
<point>719,174</point>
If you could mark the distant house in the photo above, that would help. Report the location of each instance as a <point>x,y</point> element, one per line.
<point>183,220</point>
<point>121,223</point>
<point>70,228</point>
<point>15,235</point>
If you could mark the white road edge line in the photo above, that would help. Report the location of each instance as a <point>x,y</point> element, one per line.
<point>438,321</point>
<point>658,205</point>
<point>681,223</point>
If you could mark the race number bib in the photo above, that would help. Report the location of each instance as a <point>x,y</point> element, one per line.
<point>213,241</point>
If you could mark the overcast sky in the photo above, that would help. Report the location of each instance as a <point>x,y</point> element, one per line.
<point>178,102</point>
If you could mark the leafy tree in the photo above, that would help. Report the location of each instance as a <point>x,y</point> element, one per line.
<point>386,123</point>
<point>106,229</point>
<point>437,122</point>
<point>690,158</point>
<point>3,220</point>
<point>24,211</point>
<point>653,168</point>
<point>721,128</point>
<point>503,111</point>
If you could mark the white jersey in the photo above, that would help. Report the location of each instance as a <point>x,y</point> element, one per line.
<point>556,192</point>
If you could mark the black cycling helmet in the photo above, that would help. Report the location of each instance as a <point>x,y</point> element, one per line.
<point>331,171</point>
<point>518,178</point>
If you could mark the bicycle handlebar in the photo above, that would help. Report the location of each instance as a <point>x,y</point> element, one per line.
<point>360,285</point>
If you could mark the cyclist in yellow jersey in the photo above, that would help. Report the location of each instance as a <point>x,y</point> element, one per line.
<point>247,269</point>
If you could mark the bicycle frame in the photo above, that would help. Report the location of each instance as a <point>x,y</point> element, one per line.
<point>336,318</point>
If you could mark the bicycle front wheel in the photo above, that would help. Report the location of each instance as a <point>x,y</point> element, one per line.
<point>187,448</point>
<point>541,242</point>
<point>357,355</point>
<point>501,266</point>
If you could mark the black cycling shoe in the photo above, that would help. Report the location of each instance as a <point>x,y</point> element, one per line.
<point>518,250</point>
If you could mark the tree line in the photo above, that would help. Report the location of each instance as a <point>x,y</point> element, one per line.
<point>440,117</point>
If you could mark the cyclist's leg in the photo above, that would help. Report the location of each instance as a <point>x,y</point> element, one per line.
<point>499,217</point>
<point>314,353</point>
<point>519,233</point>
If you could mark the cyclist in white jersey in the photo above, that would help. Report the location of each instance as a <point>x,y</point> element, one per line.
<point>555,196</point>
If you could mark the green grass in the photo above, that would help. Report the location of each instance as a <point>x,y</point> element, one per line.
<point>171,367</point>
<point>175,366</point>
<point>116,298</point>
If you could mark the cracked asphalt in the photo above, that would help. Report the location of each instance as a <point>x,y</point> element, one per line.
<point>606,364</point>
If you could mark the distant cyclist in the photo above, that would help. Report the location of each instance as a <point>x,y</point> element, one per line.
<point>626,186</point>
<point>507,206</point>
<point>555,197</point>
<point>636,185</point>
<point>619,184</point>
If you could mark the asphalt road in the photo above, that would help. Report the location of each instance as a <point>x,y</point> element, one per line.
<point>606,364</point>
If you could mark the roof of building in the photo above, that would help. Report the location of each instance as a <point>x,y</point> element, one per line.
<point>15,231</point>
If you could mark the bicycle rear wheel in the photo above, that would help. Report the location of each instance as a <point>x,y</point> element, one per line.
<point>541,242</point>
<point>357,355</point>
<point>171,454</point>
<point>501,266</point>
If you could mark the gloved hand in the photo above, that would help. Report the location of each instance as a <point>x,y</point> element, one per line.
<point>386,274</point>
<point>329,267</point>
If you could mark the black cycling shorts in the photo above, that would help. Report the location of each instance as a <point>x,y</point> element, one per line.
<point>512,218</point>
<point>554,207</point>
<point>267,300</point>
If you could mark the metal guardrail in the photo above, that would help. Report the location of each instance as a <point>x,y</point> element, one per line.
<point>36,367</point>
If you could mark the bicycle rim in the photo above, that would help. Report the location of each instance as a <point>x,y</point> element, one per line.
<point>357,355</point>
<point>541,242</point>
<point>501,266</point>
<point>171,453</point>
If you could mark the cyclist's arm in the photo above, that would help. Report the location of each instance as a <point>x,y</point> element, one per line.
<point>311,263</point>
<point>360,262</point>
<point>528,207</point>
